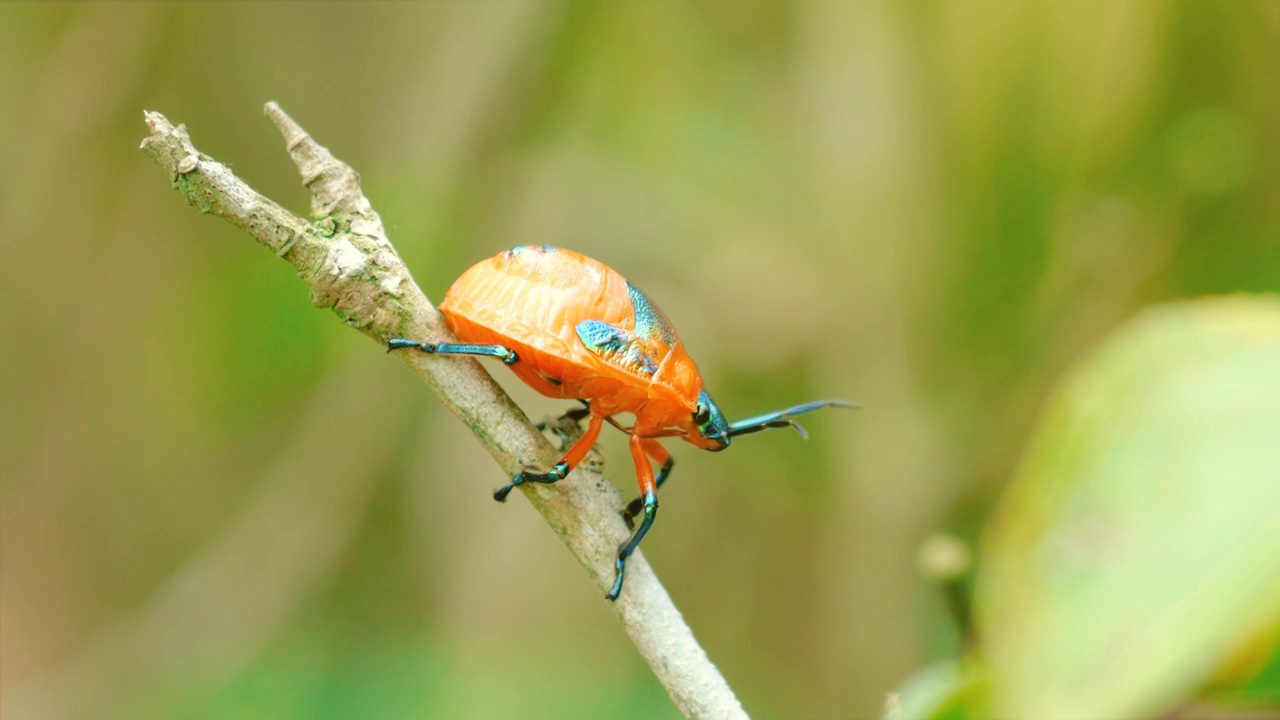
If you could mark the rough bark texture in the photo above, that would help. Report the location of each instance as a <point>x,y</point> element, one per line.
<point>344,256</point>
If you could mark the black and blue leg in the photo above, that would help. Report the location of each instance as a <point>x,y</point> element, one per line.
<point>505,354</point>
<point>640,453</point>
<point>637,504</point>
<point>560,470</point>
<point>650,503</point>
<point>659,454</point>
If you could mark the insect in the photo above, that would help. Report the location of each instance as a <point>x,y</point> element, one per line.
<point>571,327</point>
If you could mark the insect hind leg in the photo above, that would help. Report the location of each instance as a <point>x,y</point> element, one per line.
<point>505,354</point>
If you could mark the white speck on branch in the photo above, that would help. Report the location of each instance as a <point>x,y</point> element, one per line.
<point>344,256</point>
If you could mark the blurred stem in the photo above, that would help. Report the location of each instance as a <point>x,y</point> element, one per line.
<point>344,256</point>
<point>946,560</point>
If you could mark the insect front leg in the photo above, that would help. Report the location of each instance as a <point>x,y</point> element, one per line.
<point>649,496</point>
<point>505,354</point>
<point>561,469</point>
<point>659,454</point>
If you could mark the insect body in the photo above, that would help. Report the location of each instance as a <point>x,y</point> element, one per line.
<point>570,327</point>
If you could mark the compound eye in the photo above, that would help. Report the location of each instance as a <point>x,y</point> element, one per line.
<point>703,416</point>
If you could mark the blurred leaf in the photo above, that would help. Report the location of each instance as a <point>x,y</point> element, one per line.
<point>1265,686</point>
<point>1236,685</point>
<point>946,691</point>
<point>1137,554</point>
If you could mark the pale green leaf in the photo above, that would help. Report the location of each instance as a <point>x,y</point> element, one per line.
<point>1136,556</point>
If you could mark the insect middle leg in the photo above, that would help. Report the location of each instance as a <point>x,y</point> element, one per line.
<point>505,354</point>
<point>575,415</point>
<point>561,469</point>
<point>659,454</point>
<point>649,496</point>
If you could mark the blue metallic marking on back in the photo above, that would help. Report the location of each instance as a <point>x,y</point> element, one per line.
<point>600,336</point>
<point>615,346</point>
<point>651,324</point>
<point>519,250</point>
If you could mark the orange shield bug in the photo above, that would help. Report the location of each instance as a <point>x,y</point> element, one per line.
<point>571,327</point>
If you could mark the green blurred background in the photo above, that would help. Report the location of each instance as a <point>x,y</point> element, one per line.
<point>217,502</point>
